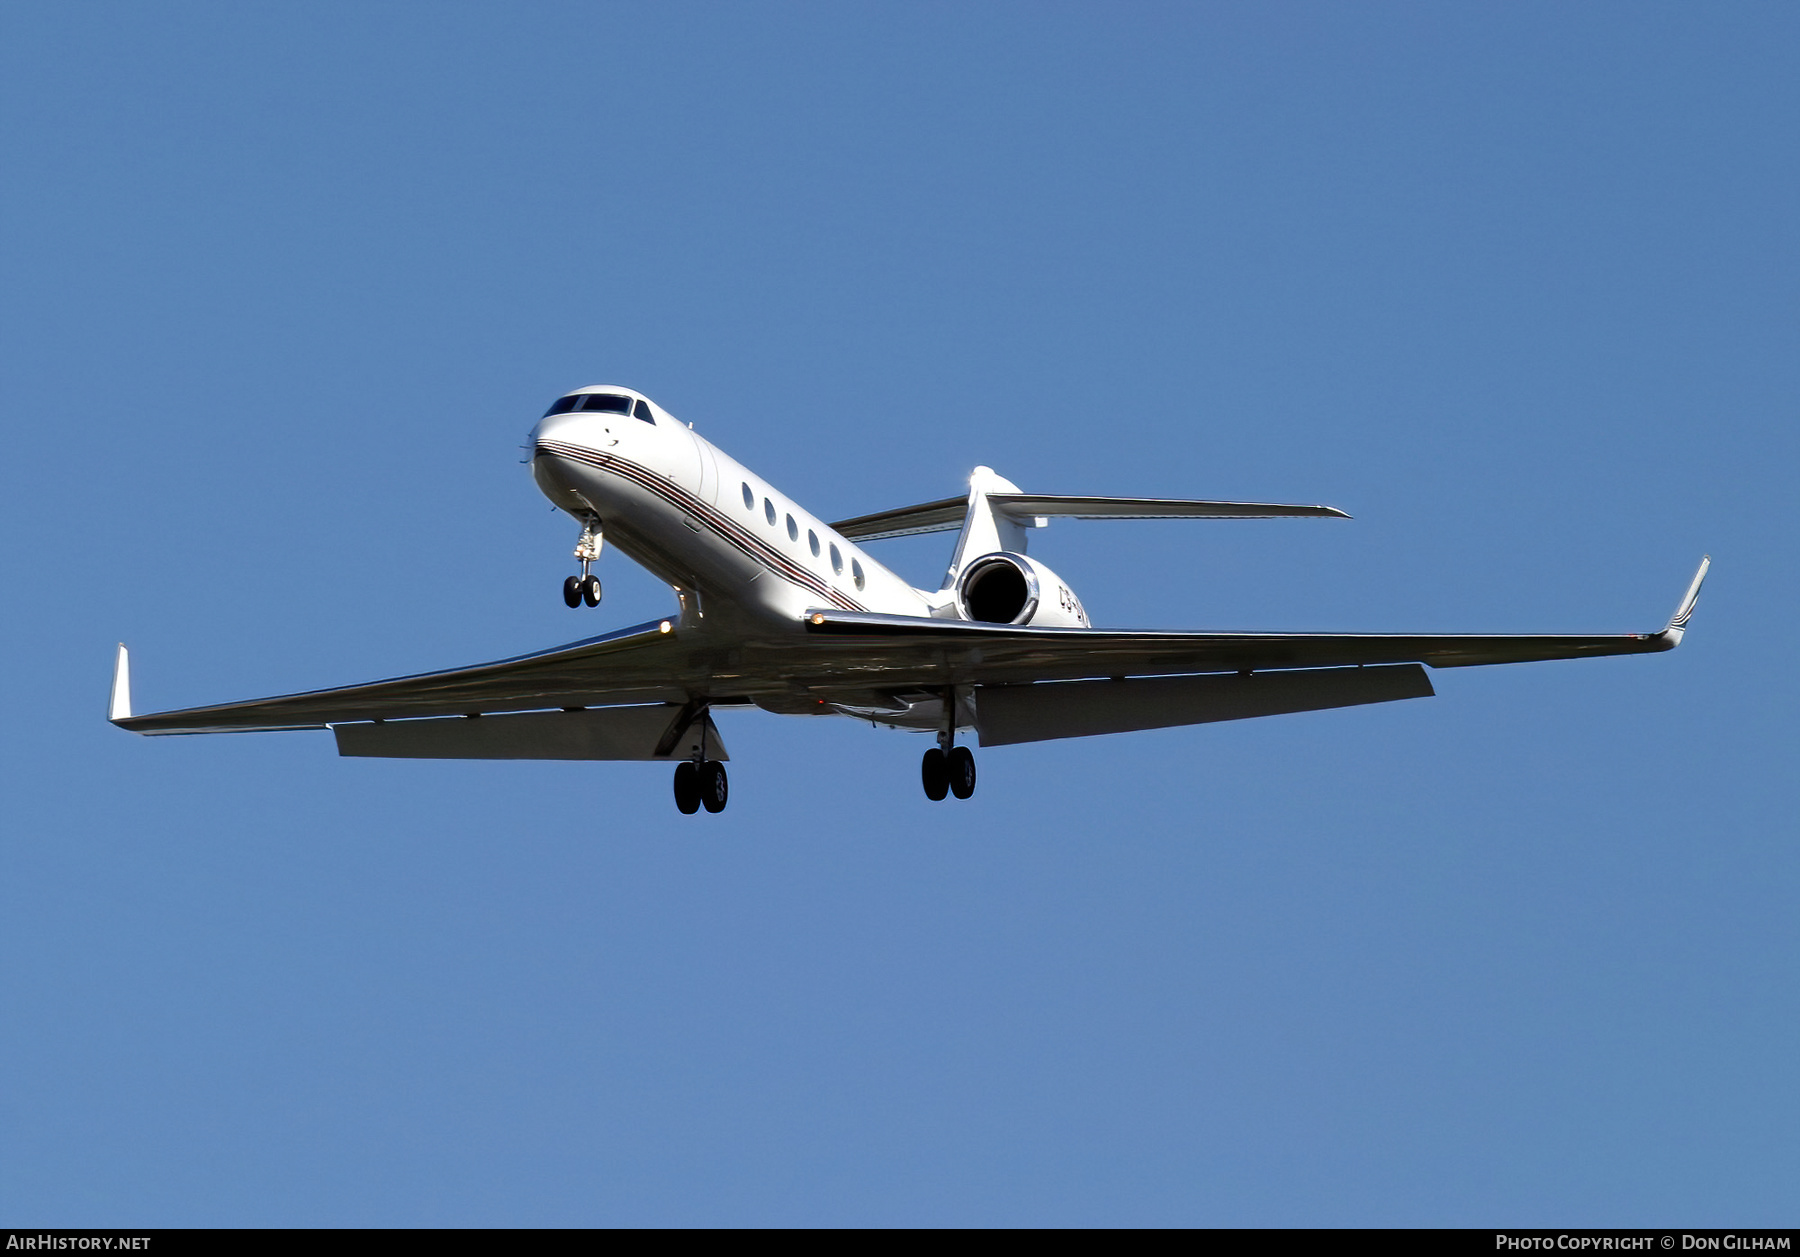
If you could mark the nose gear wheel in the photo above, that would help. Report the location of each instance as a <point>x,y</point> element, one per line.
<point>586,587</point>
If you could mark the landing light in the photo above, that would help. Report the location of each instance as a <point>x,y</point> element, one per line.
<point>818,617</point>
<point>664,627</point>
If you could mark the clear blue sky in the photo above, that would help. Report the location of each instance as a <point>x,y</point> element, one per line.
<point>1515,284</point>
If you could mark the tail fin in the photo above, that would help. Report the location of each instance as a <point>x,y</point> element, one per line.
<point>986,528</point>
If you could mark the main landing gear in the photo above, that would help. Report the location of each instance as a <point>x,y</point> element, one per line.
<point>586,587</point>
<point>702,784</point>
<point>948,772</point>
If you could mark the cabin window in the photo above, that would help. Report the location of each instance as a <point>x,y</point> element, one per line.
<point>642,411</point>
<point>793,529</point>
<point>812,540</point>
<point>769,511</point>
<point>837,561</point>
<point>856,572</point>
<point>749,499</point>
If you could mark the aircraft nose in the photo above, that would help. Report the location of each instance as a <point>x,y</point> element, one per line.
<point>587,431</point>
<point>554,428</point>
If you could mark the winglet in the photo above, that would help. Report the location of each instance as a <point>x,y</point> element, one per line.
<point>120,707</point>
<point>1678,622</point>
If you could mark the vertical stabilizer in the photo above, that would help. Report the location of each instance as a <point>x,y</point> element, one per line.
<point>985,530</point>
<point>120,707</point>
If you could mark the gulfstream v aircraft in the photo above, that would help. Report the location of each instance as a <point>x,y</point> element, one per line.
<point>780,610</point>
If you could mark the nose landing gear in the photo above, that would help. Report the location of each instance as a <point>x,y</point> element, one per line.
<point>580,589</point>
<point>586,587</point>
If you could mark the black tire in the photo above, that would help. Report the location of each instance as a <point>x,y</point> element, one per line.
<point>590,590</point>
<point>687,788</point>
<point>961,766</point>
<point>715,787</point>
<point>934,773</point>
<point>572,591</point>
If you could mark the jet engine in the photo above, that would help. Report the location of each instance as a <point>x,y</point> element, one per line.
<point>1008,588</point>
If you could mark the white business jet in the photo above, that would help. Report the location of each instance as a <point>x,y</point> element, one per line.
<point>783,611</point>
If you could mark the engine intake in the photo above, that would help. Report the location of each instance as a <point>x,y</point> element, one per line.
<point>1007,588</point>
<point>997,590</point>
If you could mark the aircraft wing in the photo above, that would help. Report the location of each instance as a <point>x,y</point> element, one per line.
<point>641,693</point>
<point>643,664</point>
<point>959,652</point>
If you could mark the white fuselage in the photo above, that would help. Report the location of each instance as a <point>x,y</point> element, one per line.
<point>697,518</point>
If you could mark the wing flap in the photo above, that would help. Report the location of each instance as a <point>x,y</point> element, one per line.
<point>1007,714</point>
<point>606,733</point>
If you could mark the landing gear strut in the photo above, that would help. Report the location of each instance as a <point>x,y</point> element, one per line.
<point>586,587</point>
<point>948,768</point>
<point>699,782</point>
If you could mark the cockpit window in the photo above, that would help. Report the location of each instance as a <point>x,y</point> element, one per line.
<point>612,403</point>
<point>642,411</point>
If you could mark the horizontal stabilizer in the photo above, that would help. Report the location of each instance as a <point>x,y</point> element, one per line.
<point>947,514</point>
<point>1024,506</point>
<point>944,515</point>
<point>1007,714</point>
<point>615,733</point>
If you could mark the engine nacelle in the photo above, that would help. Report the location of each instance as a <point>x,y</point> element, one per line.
<point>1008,588</point>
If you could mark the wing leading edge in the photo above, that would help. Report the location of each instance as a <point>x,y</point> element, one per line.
<point>643,664</point>
<point>1007,654</point>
